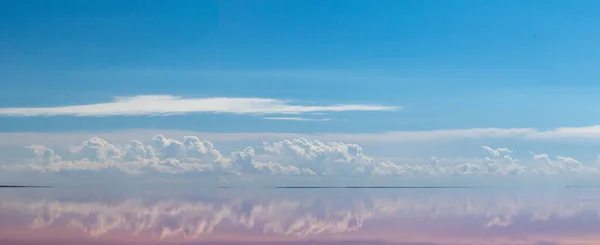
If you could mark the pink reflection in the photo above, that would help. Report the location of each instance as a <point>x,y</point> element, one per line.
<point>319,217</point>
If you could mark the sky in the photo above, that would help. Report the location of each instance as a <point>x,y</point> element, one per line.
<point>239,89</point>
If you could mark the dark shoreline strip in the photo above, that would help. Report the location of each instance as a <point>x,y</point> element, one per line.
<point>24,186</point>
<point>359,187</point>
<point>375,187</point>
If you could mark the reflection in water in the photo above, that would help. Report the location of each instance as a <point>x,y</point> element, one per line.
<point>292,216</point>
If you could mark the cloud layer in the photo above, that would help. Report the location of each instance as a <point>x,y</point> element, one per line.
<point>586,135</point>
<point>297,156</point>
<point>297,119</point>
<point>168,105</point>
<point>591,132</point>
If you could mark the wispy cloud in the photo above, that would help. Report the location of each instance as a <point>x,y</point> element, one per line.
<point>297,119</point>
<point>563,133</point>
<point>168,105</point>
<point>591,133</point>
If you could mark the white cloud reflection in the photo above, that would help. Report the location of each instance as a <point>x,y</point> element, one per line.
<point>320,214</point>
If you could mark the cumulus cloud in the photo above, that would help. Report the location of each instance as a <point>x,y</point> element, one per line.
<point>96,149</point>
<point>43,155</point>
<point>192,155</point>
<point>297,156</point>
<point>323,157</point>
<point>561,164</point>
<point>169,105</point>
<point>496,152</point>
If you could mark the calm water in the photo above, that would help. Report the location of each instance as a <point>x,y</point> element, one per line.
<point>275,216</point>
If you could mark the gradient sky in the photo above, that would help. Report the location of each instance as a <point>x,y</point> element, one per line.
<point>476,87</point>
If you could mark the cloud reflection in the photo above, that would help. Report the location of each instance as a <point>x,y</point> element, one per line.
<point>392,216</point>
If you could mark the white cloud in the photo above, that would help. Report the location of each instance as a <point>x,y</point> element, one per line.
<point>543,157</point>
<point>435,135</point>
<point>297,156</point>
<point>96,149</point>
<point>424,136</point>
<point>581,133</point>
<point>192,155</point>
<point>568,161</point>
<point>562,164</point>
<point>168,105</point>
<point>297,119</point>
<point>497,152</point>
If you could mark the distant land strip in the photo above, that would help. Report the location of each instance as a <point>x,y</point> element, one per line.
<point>24,186</point>
<point>362,187</point>
<point>375,187</point>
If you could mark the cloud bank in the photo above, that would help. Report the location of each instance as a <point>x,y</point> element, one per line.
<point>169,105</point>
<point>293,157</point>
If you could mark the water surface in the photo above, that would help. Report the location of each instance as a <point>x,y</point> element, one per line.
<point>299,216</point>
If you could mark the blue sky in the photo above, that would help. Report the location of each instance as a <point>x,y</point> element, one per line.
<point>512,63</point>
<point>334,68</point>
